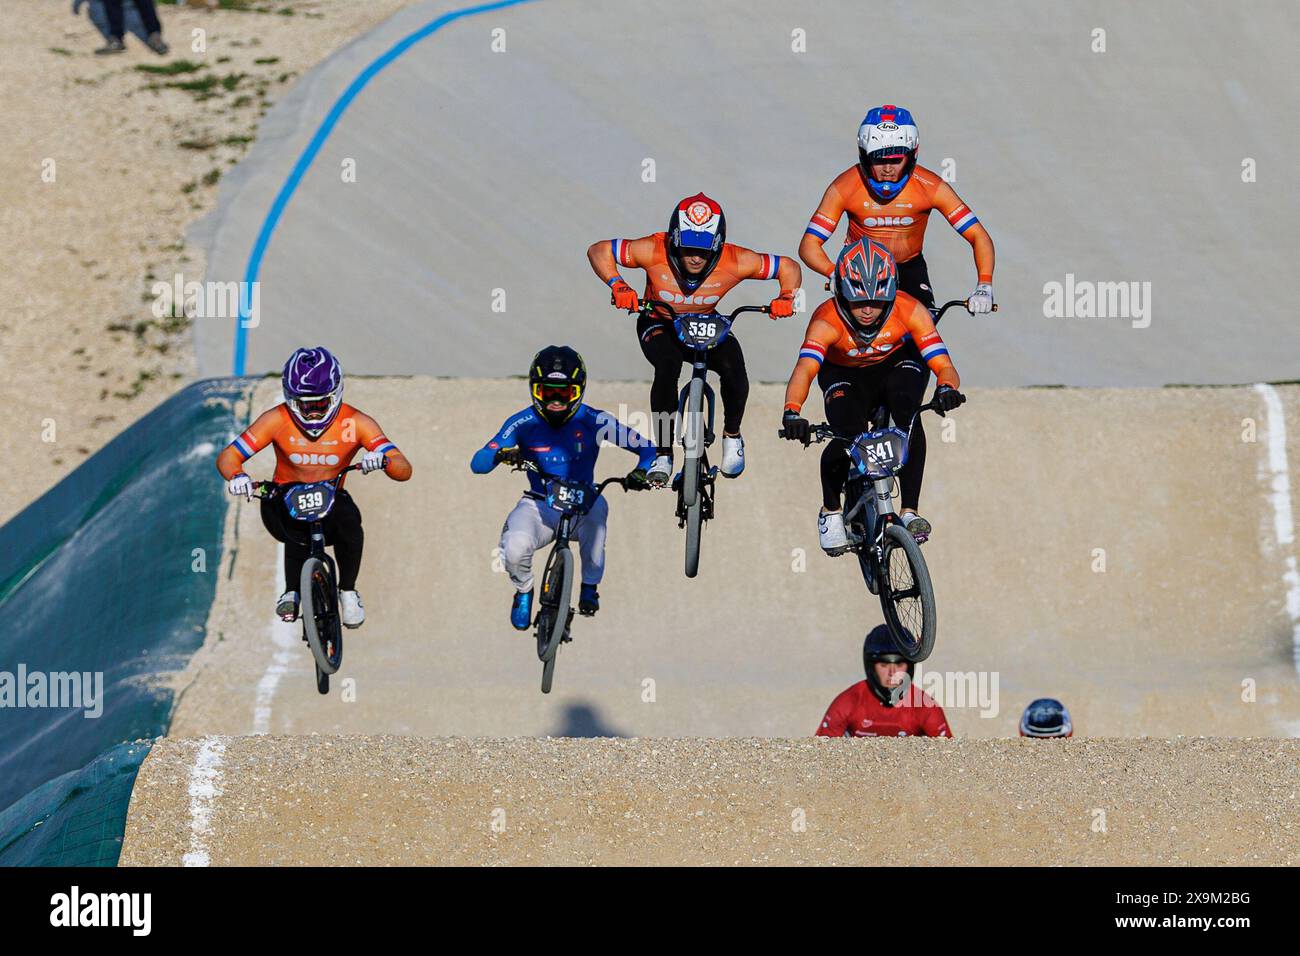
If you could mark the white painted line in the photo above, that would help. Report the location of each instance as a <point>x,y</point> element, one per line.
<point>205,787</point>
<point>1278,477</point>
<point>285,637</point>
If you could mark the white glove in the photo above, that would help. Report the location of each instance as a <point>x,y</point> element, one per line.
<point>241,485</point>
<point>372,461</point>
<point>981,300</point>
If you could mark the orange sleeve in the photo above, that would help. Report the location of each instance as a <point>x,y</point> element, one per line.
<point>608,255</point>
<point>759,265</point>
<point>931,345</point>
<point>373,438</point>
<point>960,217</point>
<point>820,228</point>
<point>817,339</point>
<point>230,461</point>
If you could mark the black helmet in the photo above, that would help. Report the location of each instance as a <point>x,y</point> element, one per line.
<point>697,228</point>
<point>1046,717</point>
<point>878,647</point>
<point>557,374</point>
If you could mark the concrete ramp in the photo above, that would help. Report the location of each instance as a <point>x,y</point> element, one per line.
<point>1117,549</point>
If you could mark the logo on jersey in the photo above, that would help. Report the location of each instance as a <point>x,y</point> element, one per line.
<point>876,221</point>
<point>313,459</point>
<point>679,299</point>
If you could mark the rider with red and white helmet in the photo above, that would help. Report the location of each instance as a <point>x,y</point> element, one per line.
<point>691,266</point>
<point>315,435</point>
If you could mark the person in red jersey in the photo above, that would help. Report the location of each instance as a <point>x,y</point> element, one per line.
<point>886,704</point>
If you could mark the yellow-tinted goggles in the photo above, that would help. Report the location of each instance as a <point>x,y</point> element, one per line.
<point>546,393</point>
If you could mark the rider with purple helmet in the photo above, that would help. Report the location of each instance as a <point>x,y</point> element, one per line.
<point>315,435</point>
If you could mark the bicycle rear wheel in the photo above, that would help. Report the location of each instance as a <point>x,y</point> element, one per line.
<point>906,595</point>
<point>692,441</point>
<point>557,587</point>
<point>320,614</point>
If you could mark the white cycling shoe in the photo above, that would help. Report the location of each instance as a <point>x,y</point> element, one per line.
<point>660,469</point>
<point>287,607</point>
<point>831,534</point>
<point>733,456</point>
<point>351,610</point>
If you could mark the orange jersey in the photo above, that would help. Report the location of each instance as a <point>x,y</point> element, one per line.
<point>828,339</point>
<point>735,265</point>
<point>898,225</point>
<point>300,458</point>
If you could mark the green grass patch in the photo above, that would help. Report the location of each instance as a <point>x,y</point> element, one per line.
<point>174,68</point>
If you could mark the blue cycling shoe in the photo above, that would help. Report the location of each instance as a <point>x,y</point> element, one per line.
<point>588,601</point>
<point>521,610</point>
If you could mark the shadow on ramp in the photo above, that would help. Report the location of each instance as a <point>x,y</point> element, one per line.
<point>584,720</point>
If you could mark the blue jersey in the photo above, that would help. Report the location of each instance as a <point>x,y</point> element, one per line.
<point>568,451</point>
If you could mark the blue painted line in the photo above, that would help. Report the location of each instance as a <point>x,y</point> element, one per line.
<point>317,141</point>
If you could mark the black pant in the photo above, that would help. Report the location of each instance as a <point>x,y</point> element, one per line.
<point>850,396</point>
<point>662,348</point>
<point>914,279</point>
<point>342,527</point>
<point>117,17</point>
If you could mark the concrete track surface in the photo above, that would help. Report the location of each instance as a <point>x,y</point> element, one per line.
<point>1157,484</point>
<point>1131,551</point>
<point>377,801</point>
<point>478,171</point>
<point>1185,632</point>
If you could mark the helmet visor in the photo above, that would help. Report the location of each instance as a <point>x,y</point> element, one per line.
<point>556,394</point>
<point>313,408</point>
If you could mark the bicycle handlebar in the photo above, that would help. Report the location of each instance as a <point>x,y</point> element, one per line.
<point>965,303</point>
<point>532,466</point>
<point>261,488</point>
<point>823,432</point>
<point>651,305</point>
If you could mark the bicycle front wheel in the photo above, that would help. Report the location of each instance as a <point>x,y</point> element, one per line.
<point>694,520</point>
<point>692,441</point>
<point>906,595</point>
<point>557,588</point>
<point>320,614</point>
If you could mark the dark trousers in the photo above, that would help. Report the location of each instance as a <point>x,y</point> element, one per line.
<point>342,527</point>
<point>117,17</point>
<point>850,395</point>
<point>914,279</point>
<point>663,350</point>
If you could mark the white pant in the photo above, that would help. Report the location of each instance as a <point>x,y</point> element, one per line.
<point>532,525</point>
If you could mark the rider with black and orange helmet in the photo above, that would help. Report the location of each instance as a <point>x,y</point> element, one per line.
<point>855,348</point>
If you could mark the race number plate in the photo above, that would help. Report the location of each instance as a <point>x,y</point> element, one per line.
<point>702,331</point>
<point>310,502</point>
<point>569,496</point>
<point>881,453</point>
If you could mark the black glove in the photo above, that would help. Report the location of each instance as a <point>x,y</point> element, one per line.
<point>795,428</point>
<point>636,480</point>
<point>946,398</point>
<point>508,456</point>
